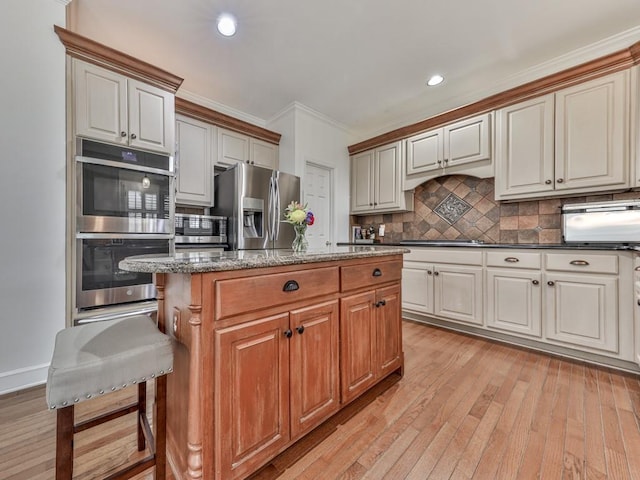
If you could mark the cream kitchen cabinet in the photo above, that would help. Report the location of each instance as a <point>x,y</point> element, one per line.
<point>450,290</point>
<point>195,160</point>
<point>582,300</point>
<point>116,109</point>
<point>514,292</point>
<point>437,152</point>
<point>376,181</point>
<point>569,142</point>
<point>234,147</point>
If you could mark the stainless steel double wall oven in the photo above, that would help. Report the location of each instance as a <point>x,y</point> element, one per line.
<point>124,206</point>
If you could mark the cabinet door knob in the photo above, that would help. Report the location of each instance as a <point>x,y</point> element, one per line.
<point>300,329</point>
<point>439,161</point>
<point>547,182</point>
<point>436,273</point>
<point>550,283</point>
<point>446,160</point>
<point>288,333</point>
<point>560,180</point>
<point>383,302</point>
<point>535,282</point>
<point>290,286</point>
<point>133,136</point>
<point>429,272</point>
<point>123,134</point>
<point>376,272</point>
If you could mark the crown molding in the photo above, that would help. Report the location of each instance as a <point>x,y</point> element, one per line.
<point>199,112</point>
<point>297,106</point>
<point>220,107</point>
<point>610,63</point>
<point>91,51</point>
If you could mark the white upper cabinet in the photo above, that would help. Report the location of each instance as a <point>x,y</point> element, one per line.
<point>234,147</point>
<point>113,108</point>
<point>467,141</point>
<point>438,152</point>
<point>195,160</point>
<point>524,147</point>
<point>592,122</point>
<point>263,154</point>
<point>573,141</point>
<point>376,181</point>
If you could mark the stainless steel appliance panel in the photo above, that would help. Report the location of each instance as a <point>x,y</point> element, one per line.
<point>99,281</point>
<point>288,190</point>
<point>602,222</point>
<point>254,198</point>
<point>119,190</point>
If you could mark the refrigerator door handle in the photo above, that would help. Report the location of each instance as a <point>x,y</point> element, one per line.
<point>270,213</point>
<point>277,212</point>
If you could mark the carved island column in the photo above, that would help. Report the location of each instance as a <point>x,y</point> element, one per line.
<point>194,416</point>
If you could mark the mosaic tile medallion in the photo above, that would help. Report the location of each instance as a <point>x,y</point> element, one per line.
<point>452,208</point>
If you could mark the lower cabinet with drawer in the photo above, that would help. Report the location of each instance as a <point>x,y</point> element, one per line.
<point>582,300</point>
<point>266,355</point>
<point>513,292</point>
<point>573,302</point>
<point>451,288</point>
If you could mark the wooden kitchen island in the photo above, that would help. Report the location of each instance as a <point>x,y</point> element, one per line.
<point>270,344</point>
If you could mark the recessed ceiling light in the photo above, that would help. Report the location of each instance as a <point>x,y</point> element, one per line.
<point>435,80</point>
<point>227,24</point>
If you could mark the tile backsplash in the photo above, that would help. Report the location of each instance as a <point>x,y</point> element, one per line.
<point>460,207</point>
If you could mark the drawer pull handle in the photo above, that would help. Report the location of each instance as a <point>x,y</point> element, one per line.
<point>512,260</point>
<point>290,286</point>
<point>300,329</point>
<point>288,333</point>
<point>579,262</point>
<point>377,272</point>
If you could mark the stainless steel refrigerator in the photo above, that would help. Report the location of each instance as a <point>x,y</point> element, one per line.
<point>254,199</point>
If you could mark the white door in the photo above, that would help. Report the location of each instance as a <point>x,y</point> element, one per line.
<point>458,293</point>
<point>318,192</point>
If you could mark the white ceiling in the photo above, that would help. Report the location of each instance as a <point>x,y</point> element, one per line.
<point>363,63</point>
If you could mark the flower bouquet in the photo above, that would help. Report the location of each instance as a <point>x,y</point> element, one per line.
<point>300,217</point>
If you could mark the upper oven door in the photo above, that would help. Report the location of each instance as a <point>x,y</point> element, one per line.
<point>113,197</point>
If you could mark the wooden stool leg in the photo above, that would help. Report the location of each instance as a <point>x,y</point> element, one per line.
<point>161,428</point>
<point>142,411</point>
<point>64,443</point>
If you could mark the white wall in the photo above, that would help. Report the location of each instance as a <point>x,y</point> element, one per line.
<point>309,136</point>
<point>32,189</point>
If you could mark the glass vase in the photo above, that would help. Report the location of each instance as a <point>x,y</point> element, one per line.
<point>300,243</point>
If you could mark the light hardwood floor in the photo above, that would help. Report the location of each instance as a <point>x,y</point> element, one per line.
<point>466,408</point>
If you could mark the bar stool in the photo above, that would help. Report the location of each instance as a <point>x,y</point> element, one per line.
<point>99,358</point>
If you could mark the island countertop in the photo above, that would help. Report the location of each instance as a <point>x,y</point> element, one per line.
<point>201,262</point>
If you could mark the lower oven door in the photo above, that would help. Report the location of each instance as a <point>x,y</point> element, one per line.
<point>99,281</point>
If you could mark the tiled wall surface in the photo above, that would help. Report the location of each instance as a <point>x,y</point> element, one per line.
<point>459,207</point>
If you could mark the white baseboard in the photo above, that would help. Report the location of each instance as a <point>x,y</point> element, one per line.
<point>23,378</point>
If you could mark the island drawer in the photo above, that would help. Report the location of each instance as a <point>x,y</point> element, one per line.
<point>241,295</point>
<point>370,274</point>
<point>508,259</point>
<point>582,262</point>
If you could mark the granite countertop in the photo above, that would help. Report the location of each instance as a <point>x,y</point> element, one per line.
<point>200,262</point>
<point>476,244</point>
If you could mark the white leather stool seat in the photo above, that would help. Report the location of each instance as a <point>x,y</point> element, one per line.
<point>97,358</point>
